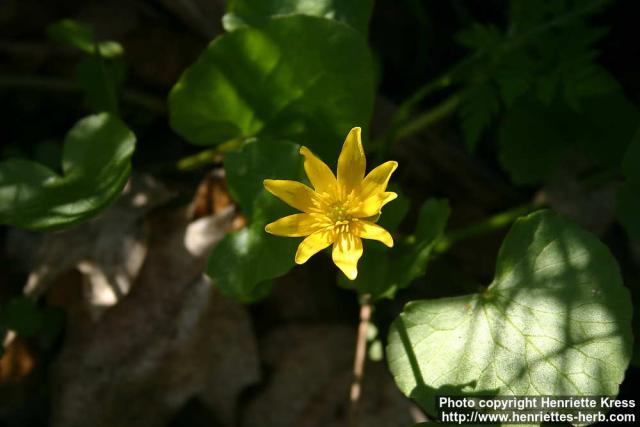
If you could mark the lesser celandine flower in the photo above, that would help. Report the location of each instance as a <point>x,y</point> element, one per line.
<point>339,209</point>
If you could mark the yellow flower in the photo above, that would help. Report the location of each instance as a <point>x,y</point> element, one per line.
<point>338,210</point>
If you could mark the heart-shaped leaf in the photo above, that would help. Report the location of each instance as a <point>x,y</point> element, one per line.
<point>555,321</point>
<point>96,162</point>
<point>297,78</point>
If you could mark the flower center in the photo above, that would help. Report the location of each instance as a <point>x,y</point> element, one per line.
<point>338,214</point>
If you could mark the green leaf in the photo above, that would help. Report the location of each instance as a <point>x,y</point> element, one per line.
<point>297,78</point>
<point>96,162</point>
<point>530,145</point>
<point>414,253</point>
<point>394,212</point>
<point>241,13</point>
<point>534,138</point>
<point>382,271</point>
<point>101,73</point>
<point>81,36</point>
<point>480,104</point>
<point>243,264</point>
<point>556,320</point>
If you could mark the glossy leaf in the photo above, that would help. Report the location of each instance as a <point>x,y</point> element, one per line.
<point>243,264</point>
<point>96,162</point>
<point>241,13</point>
<point>556,320</point>
<point>299,78</point>
<point>383,271</point>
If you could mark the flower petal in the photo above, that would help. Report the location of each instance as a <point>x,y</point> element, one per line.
<point>298,225</point>
<point>369,230</point>
<point>372,206</point>
<point>376,181</point>
<point>294,194</point>
<point>351,163</point>
<point>321,177</point>
<point>313,244</point>
<point>347,250</point>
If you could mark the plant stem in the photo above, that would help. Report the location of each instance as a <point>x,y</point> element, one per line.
<point>206,157</point>
<point>417,124</point>
<point>359,359</point>
<point>488,225</point>
<point>429,117</point>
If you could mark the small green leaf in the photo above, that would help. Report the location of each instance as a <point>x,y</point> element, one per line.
<point>244,263</point>
<point>530,145</point>
<point>413,254</point>
<point>393,213</point>
<point>383,271</point>
<point>297,78</point>
<point>74,33</point>
<point>241,13</point>
<point>81,36</point>
<point>480,103</point>
<point>96,161</point>
<point>556,320</point>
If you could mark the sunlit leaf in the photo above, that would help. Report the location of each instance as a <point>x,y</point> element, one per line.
<point>243,264</point>
<point>241,13</point>
<point>556,320</point>
<point>96,161</point>
<point>298,78</point>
